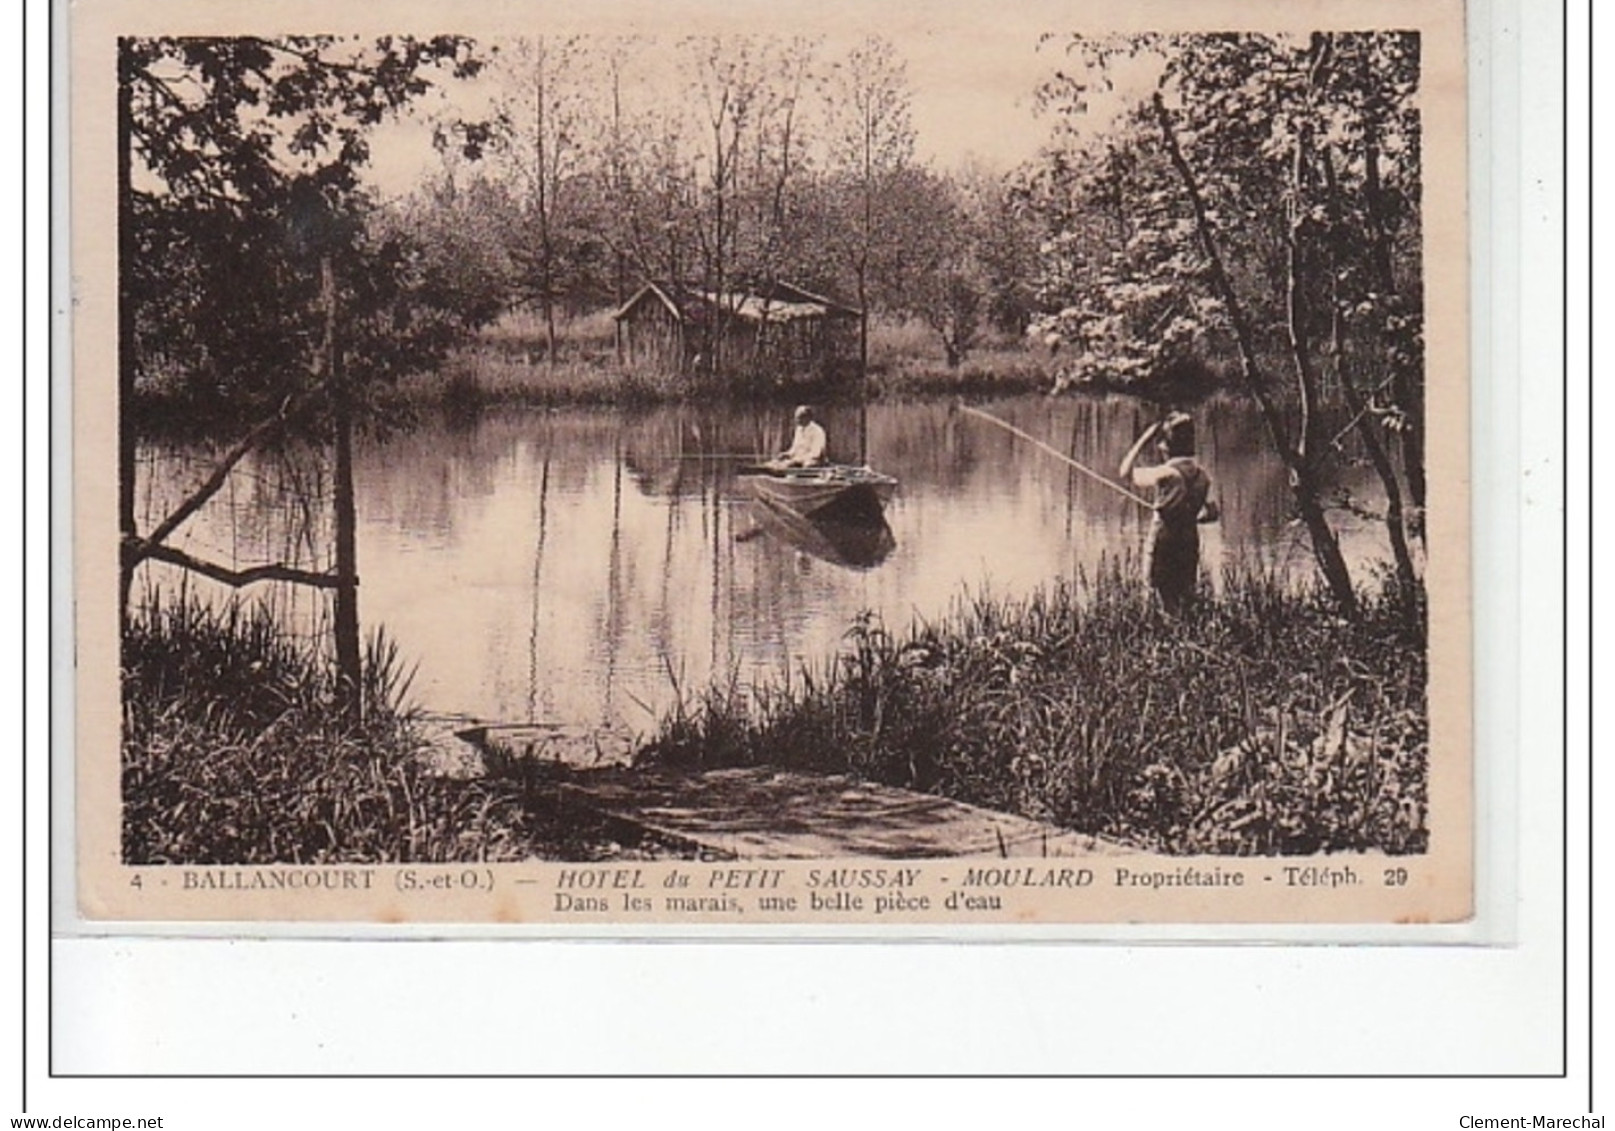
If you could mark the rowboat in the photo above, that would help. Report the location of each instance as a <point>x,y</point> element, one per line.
<point>815,490</point>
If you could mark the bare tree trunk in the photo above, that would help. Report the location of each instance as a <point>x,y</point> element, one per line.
<point>863,322</point>
<point>1407,579</point>
<point>346,600</point>
<point>1379,238</point>
<point>546,274</point>
<point>1409,393</point>
<point>139,548</point>
<point>868,238</point>
<point>620,279</point>
<point>1295,312</point>
<point>722,239</point>
<point>1303,480</point>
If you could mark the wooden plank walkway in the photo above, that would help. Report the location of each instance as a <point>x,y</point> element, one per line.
<point>766,813</point>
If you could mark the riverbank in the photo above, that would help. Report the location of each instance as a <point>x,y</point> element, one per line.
<point>509,364</point>
<point>482,377</point>
<point>234,753</point>
<point>1261,724</point>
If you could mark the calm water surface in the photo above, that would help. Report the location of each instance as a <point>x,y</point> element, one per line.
<point>585,565</point>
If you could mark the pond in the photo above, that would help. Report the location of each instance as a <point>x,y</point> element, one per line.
<point>591,566</point>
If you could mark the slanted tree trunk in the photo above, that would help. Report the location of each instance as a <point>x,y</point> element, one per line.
<point>1303,477</point>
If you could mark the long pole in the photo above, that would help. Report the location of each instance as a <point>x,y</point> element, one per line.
<point>1059,455</point>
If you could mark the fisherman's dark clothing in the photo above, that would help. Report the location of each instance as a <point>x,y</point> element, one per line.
<point>1181,487</point>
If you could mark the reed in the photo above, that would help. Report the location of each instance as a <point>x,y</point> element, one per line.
<point>234,752</point>
<point>1260,724</point>
<point>485,376</point>
<point>508,363</point>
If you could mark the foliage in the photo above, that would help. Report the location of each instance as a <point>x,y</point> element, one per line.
<point>1124,279</point>
<point>459,251</point>
<point>238,174</point>
<point>1252,199</point>
<point>722,164</point>
<point>871,141</point>
<point>925,267</point>
<point>540,145</point>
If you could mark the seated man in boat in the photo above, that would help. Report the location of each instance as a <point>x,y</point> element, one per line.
<point>1181,489</point>
<point>808,445</point>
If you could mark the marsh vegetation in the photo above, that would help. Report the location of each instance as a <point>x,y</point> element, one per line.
<point>1259,723</point>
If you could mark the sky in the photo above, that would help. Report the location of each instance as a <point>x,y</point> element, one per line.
<point>972,86</point>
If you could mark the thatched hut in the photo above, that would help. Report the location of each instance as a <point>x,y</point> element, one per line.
<point>777,333</point>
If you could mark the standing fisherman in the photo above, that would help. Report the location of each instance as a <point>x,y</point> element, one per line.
<point>1181,487</point>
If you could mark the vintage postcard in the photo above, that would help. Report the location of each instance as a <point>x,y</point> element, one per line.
<point>866,466</point>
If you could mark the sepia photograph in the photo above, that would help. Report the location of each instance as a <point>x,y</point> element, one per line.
<point>892,559</point>
<point>879,472</point>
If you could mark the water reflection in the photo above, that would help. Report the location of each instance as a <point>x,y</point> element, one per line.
<point>591,566</point>
<point>856,538</point>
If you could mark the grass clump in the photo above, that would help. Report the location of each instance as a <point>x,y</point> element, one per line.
<point>234,752</point>
<point>510,363</point>
<point>1262,723</point>
<point>482,377</point>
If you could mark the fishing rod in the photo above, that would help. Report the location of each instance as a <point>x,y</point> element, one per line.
<point>1058,454</point>
<point>754,456</point>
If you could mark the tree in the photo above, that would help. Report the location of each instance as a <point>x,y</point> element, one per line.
<point>926,263</point>
<point>1254,242</point>
<point>542,125</point>
<point>451,257</point>
<point>242,231</point>
<point>1120,277</point>
<point>729,80</point>
<point>870,139</point>
<point>1006,247</point>
<point>614,163</point>
<point>1372,168</point>
<point>779,157</point>
<point>228,146</point>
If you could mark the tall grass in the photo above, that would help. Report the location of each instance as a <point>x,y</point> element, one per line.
<point>483,376</point>
<point>905,358</point>
<point>523,333</point>
<point>1260,724</point>
<point>234,752</point>
<point>509,363</point>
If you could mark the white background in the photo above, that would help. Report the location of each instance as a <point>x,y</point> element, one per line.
<point>190,1006</point>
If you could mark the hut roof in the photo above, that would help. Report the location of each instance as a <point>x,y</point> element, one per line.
<point>783,303</point>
